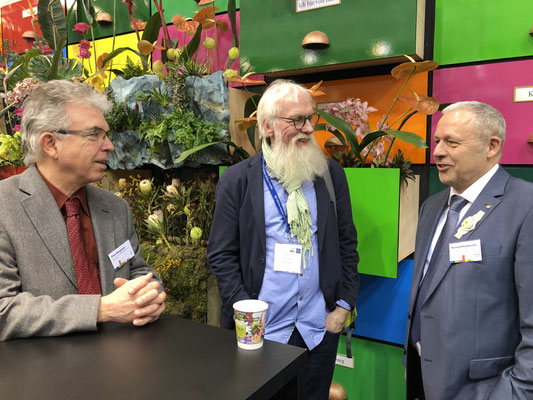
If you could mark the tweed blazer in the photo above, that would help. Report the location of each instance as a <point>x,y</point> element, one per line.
<point>38,285</point>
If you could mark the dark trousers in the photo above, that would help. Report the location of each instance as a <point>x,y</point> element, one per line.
<point>415,386</point>
<point>319,367</point>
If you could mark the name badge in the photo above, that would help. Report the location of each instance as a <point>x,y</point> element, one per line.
<point>121,255</point>
<point>465,251</point>
<point>288,258</point>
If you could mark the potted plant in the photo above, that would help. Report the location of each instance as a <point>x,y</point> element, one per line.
<point>384,202</point>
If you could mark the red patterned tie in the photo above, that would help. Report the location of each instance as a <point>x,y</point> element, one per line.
<point>86,270</point>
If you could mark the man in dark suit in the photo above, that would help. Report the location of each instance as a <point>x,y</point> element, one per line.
<point>277,202</point>
<point>69,254</point>
<point>470,330</point>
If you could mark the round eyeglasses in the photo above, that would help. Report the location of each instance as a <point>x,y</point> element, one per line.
<point>300,120</point>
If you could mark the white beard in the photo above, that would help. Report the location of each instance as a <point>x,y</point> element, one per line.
<point>297,164</point>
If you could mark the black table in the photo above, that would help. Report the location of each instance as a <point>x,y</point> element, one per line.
<point>172,358</point>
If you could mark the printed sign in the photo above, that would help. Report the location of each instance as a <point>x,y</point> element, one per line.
<point>524,93</point>
<point>306,5</point>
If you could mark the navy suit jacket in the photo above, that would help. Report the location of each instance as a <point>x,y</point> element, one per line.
<point>237,244</point>
<point>477,317</point>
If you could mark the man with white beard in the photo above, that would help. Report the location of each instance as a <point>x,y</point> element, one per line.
<point>288,198</point>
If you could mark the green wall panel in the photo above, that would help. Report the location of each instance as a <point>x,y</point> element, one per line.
<point>121,18</point>
<point>375,197</point>
<point>476,30</point>
<point>187,8</point>
<point>378,372</point>
<point>272,33</point>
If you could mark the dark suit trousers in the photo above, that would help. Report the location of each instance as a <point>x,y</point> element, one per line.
<point>415,386</point>
<point>319,367</point>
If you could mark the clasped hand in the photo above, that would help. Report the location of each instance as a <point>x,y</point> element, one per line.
<point>138,301</point>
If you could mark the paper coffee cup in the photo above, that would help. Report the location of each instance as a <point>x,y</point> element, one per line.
<point>250,321</point>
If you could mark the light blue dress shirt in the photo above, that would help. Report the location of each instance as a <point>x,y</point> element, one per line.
<point>293,299</point>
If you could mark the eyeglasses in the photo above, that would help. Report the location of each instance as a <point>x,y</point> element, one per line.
<point>300,120</point>
<point>93,134</point>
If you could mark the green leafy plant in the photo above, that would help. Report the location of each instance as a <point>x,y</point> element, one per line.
<point>121,118</point>
<point>11,150</point>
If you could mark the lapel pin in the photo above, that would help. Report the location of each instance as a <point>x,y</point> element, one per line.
<point>488,205</point>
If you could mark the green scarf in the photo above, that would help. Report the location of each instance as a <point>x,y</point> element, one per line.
<point>298,214</point>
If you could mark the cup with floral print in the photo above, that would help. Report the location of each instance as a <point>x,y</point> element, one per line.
<point>250,321</point>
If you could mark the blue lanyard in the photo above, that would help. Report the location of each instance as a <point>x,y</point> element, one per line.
<point>275,197</point>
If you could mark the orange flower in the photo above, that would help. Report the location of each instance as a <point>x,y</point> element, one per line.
<point>100,65</point>
<point>423,104</point>
<point>184,25</point>
<point>313,91</point>
<point>405,69</point>
<point>245,80</point>
<point>139,24</point>
<point>203,2</point>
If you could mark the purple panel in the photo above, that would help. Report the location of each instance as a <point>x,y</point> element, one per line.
<point>493,84</point>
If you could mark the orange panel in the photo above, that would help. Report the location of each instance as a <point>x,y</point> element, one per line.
<point>379,92</point>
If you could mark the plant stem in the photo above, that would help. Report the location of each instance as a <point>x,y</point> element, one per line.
<point>166,35</point>
<point>397,97</point>
<point>399,128</point>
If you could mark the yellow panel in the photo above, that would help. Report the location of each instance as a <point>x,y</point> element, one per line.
<point>379,92</point>
<point>106,46</point>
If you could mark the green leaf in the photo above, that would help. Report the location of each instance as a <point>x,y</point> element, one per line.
<point>40,67</point>
<point>55,60</point>
<point>192,46</point>
<point>370,137</point>
<point>344,127</point>
<point>116,52</point>
<point>151,30</point>
<point>249,108</point>
<point>189,152</point>
<point>409,137</point>
<point>232,13</point>
<point>52,22</point>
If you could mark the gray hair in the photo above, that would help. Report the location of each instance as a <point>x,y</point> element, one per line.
<point>45,111</point>
<point>269,107</point>
<point>488,121</point>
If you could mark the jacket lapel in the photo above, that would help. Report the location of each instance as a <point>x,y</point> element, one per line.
<point>103,228</point>
<point>489,196</point>
<point>255,183</point>
<point>47,220</point>
<point>429,224</point>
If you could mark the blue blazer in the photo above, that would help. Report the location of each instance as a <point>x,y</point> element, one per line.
<point>237,244</point>
<point>477,317</point>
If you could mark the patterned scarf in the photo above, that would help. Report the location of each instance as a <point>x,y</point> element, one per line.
<point>298,212</point>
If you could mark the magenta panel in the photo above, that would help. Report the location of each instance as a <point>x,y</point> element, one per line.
<point>493,84</point>
<point>220,53</point>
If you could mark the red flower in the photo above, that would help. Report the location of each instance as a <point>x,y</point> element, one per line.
<point>81,27</point>
<point>16,128</point>
<point>18,112</point>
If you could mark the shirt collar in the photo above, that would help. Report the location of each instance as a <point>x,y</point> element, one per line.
<point>473,191</point>
<point>61,198</point>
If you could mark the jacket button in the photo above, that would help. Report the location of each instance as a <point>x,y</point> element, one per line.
<point>404,351</point>
<point>408,316</point>
<point>261,260</point>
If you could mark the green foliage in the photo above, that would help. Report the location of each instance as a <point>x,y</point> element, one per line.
<point>11,150</point>
<point>404,165</point>
<point>132,69</point>
<point>179,260</point>
<point>52,22</point>
<point>40,68</point>
<point>121,118</point>
<point>188,129</point>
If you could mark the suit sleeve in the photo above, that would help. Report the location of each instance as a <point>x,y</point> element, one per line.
<point>347,237</point>
<point>223,250</point>
<point>23,315</point>
<point>520,375</point>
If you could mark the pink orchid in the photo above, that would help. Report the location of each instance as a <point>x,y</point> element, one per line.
<point>46,50</point>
